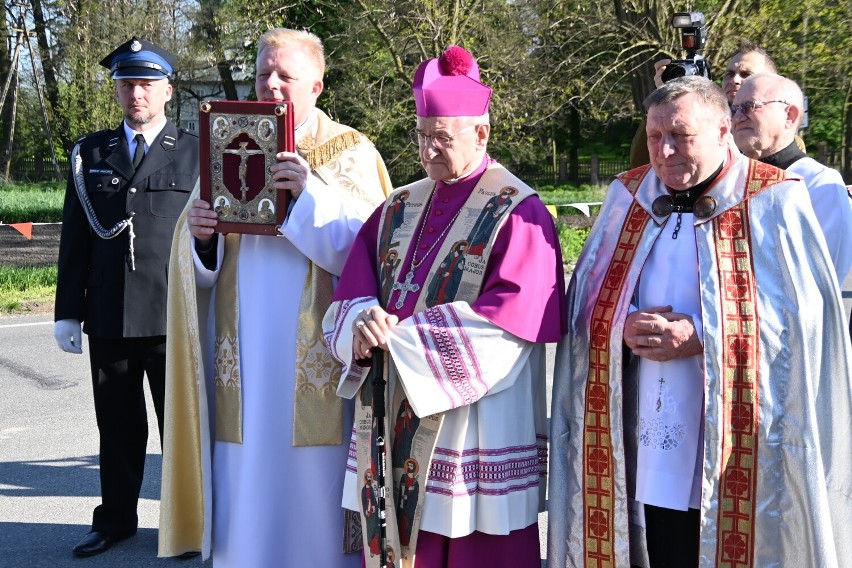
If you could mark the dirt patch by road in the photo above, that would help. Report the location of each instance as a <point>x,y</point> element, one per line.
<point>42,250</point>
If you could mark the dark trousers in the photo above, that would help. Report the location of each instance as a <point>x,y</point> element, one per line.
<point>672,537</point>
<point>118,366</point>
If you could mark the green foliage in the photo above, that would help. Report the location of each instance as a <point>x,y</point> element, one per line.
<point>571,240</point>
<point>568,76</point>
<point>20,286</point>
<point>567,193</point>
<point>572,226</point>
<point>36,202</point>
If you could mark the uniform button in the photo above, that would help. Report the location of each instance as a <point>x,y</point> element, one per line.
<point>100,185</point>
<point>439,212</point>
<point>172,184</point>
<point>114,181</point>
<point>391,308</point>
<point>132,190</point>
<point>430,230</point>
<point>424,246</point>
<point>446,200</point>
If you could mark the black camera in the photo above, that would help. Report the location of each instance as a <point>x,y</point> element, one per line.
<point>692,37</point>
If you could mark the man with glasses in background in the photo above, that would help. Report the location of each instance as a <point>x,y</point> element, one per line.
<point>476,296</point>
<point>766,114</point>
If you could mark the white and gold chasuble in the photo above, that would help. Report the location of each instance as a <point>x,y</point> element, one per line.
<point>271,297</point>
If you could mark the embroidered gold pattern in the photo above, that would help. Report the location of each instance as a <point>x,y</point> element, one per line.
<point>318,156</point>
<point>740,358</point>
<point>598,475</point>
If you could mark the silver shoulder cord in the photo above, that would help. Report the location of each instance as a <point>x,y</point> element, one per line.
<point>80,185</point>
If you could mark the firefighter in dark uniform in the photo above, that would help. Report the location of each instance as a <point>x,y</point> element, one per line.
<point>125,192</point>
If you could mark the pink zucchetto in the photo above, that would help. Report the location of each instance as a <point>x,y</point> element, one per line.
<point>449,86</point>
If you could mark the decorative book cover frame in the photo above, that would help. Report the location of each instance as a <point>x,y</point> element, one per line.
<point>238,143</point>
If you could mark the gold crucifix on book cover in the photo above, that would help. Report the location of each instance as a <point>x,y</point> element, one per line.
<point>239,141</point>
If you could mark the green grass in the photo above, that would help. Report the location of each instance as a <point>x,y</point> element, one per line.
<point>37,202</point>
<point>571,236</point>
<point>42,203</point>
<point>559,195</point>
<point>20,286</point>
<point>572,240</point>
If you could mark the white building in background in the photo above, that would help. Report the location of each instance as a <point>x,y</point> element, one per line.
<point>204,85</point>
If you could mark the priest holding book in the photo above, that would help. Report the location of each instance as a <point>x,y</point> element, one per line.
<point>256,440</point>
<point>465,329</point>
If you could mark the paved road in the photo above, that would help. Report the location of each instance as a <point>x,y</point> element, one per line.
<point>48,458</point>
<point>49,463</point>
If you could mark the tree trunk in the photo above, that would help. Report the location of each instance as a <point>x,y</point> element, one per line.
<point>12,104</point>
<point>5,69</point>
<point>634,17</point>
<point>51,85</point>
<point>228,85</point>
<point>576,140</point>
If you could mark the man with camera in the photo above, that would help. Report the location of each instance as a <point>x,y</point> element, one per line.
<point>748,60</point>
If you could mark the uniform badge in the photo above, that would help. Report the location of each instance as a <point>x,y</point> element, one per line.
<point>135,46</point>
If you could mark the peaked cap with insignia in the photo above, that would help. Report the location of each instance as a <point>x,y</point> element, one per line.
<point>140,59</point>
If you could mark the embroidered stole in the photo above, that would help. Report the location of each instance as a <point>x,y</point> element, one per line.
<point>318,411</point>
<point>456,274</point>
<point>740,363</point>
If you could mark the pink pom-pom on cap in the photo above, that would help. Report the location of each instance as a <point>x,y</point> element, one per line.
<point>450,86</point>
<point>457,61</point>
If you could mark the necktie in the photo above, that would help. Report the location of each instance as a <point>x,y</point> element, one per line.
<point>140,151</point>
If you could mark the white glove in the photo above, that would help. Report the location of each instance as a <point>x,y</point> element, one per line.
<point>68,335</point>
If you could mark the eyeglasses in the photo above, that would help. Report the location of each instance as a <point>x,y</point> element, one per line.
<point>440,141</point>
<point>747,107</point>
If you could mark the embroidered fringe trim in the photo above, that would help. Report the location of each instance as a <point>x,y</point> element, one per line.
<point>320,155</point>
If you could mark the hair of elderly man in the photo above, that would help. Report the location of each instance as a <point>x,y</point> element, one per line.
<point>748,46</point>
<point>475,120</point>
<point>279,37</point>
<point>482,119</point>
<point>708,91</point>
<point>782,88</point>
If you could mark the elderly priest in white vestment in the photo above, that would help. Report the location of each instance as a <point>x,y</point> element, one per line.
<point>703,393</point>
<point>766,115</point>
<point>262,488</point>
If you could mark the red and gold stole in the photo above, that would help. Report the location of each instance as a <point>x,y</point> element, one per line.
<point>598,477</point>
<point>740,364</point>
<point>740,368</point>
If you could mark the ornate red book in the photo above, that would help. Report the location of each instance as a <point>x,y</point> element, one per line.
<point>239,141</point>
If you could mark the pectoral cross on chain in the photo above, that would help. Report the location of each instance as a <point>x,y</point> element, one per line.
<point>405,288</point>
